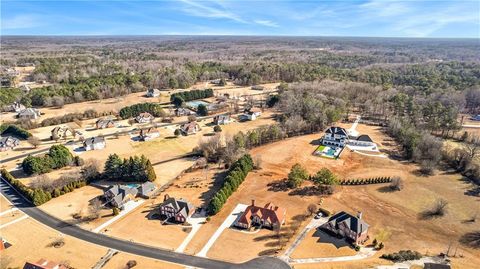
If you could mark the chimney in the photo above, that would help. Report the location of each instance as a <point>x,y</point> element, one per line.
<point>359,215</point>
<point>253,202</point>
<point>165,197</point>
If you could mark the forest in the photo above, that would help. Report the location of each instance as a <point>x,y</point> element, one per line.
<point>89,68</point>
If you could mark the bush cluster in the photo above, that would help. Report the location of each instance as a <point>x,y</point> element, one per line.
<point>12,129</point>
<point>365,181</point>
<point>235,176</point>
<point>39,196</point>
<point>57,157</point>
<point>135,110</point>
<point>138,169</point>
<point>402,255</point>
<point>192,95</point>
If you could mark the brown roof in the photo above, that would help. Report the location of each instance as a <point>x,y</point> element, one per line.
<point>43,264</point>
<point>269,212</point>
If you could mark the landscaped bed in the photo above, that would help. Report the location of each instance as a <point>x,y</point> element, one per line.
<point>328,152</point>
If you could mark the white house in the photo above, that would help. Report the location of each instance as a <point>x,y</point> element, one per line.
<point>153,93</point>
<point>94,143</point>
<point>149,134</point>
<point>144,117</point>
<point>221,119</point>
<point>335,136</point>
<point>29,113</point>
<point>8,143</point>
<point>362,141</point>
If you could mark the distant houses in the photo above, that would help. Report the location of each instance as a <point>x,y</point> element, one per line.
<point>251,114</point>
<point>43,264</point>
<point>352,228</point>
<point>144,117</point>
<point>94,143</point>
<point>190,128</point>
<point>475,117</point>
<point>178,210</point>
<point>335,136</point>
<point>269,216</point>
<point>153,93</point>
<point>62,132</point>
<point>182,111</point>
<point>149,134</point>
<point>8,143</point>
<point>28,114</point>
<point>222,119</point>
<point>104,123</point>
<point>15,107</point>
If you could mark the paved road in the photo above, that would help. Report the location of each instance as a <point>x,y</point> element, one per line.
<point>126,246</point>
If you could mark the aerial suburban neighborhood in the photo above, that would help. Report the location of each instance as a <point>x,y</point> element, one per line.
<point>289,150</point>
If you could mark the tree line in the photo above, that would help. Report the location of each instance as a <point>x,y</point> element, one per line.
<point>58,156</point>
<point>134,110</point>
<point>132,169</point>
<point>181,97</point>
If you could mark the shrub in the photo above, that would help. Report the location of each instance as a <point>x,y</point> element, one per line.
<point>325,177</point>
<point>14,130</point>
<point>177,132</point>
<point>202,110</point>
<point>402,255</point>
<point>297,175</point>
<point>217,129</point>
<point>115,211</point>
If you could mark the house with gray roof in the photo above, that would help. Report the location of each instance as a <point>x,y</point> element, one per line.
<point>146,189</point>
<point>362,140</point>
<point>352,228</point>
<point>28,113</point>
<point>8,143</point>
<point>144,117</point>
<point>178,210</point>
<point>104,123</point>
<point>118,195</point>
<point>62,132</point>
<point>94,143</point>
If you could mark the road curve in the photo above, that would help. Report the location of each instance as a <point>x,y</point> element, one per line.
<point>126,246</point>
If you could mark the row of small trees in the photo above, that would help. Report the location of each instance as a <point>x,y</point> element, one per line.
<point>57,157</point>
<point>39,196</point>
<point>135,168</point>
<point>12,129</point>
<point>365,181</point>
<point>134,110</point>
<point>236,175</point>
<point>75,117</point>
<point>179,98</point>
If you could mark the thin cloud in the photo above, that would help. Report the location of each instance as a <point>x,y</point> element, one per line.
<point>202,10</point>
<point>266,23</point>
<point>22,22</point>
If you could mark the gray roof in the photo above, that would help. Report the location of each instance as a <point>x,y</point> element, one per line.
<point>94,140</point>
<point>29,112</point>
<point>364,138</point>
<point>353,223</point>
<point>146,188</point>
<point>119,192</point>
<point>180,205</point>
<point>9,141</point>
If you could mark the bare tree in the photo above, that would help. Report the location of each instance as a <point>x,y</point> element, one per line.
<point>41,182</point>
<point>91,168</point>
<point>396,184</point>
<point>472,145</point>
<point>312,209</point>
<point>257,160</point>
<point>94,209</point>
<point>439,208</point>
<point>34,141</point>
<point>211,147</point>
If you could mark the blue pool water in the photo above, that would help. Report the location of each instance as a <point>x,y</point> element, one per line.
<point>196,103</point>
<point>330,152</point>
<point>132,186</point>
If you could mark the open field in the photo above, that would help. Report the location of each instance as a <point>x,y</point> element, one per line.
<point>30,242</point>
<point>4,204</point>
<point>141,226</point>
<point>77,202</point>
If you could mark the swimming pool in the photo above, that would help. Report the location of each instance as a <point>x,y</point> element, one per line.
<point>133,186</point>
<point>196,103</point>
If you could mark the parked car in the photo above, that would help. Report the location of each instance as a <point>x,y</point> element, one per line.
<point>319,215</point>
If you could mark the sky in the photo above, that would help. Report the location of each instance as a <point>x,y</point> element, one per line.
<point>375,18</point>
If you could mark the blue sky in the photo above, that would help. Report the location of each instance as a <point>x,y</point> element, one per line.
<point>409,18</point>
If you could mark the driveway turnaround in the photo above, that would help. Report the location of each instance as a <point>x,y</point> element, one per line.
<point>130,247</point>
<point>226,223</point>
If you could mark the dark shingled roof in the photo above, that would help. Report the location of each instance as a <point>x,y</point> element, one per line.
<point>353,223</point>
<point>364,138</point>
<point>336,130</point>
<point>436,266</point>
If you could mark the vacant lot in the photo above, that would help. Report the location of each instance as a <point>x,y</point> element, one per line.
<point>77,202</point>
<point>30,242</point>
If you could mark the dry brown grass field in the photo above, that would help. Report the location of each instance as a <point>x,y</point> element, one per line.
<point>120,260</point>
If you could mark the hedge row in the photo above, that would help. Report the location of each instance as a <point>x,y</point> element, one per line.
<point>235,176</point>
<point>39,196</point>
<point>192,95</point>
<point>365,181</point>
<point>12,129</point>
<point>135,110</point>
<point>402,255</point>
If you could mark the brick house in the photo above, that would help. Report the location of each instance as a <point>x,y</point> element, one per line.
<point>179,210</point>
<point>269,216</point>
<point>352,228</point>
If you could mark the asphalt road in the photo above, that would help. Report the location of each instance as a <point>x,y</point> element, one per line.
<point>131,247</point>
